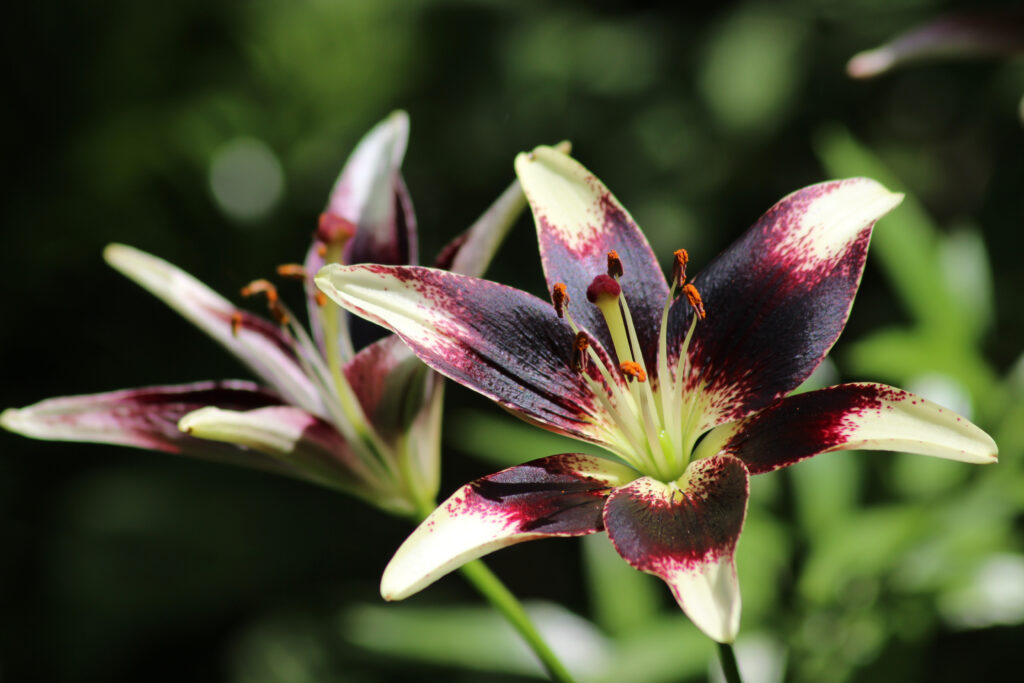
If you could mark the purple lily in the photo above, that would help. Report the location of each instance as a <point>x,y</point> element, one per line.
<point>365,421</point>
<point>685,383</point>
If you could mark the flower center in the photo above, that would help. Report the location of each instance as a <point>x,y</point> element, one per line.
<point>655,418</point>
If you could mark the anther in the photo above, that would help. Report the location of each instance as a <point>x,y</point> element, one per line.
<point>603,287</point>
<point>261,287</point>
<point>633,371</point>
<point>292,270</point>
<point>580,360</point>
<point>559,297</point>
<point>679,267</point>
<point>693,296</point>
<point>333,229</point>
<point>321,249</point>
<point>321,299</point>
<point>614,264</point>
<point>236,323</point>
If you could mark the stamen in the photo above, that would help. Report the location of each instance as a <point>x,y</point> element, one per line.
<point>236,323</point>
<point>679,267</point>
<point>614,264</point>
<point>261,287</point>
<point>321,249</point>
<point>603,288</point>
<point>333,229</point>
<point>292,270</point>
<point>321,299</point>
<point>559,297</point>
<point>277,309</point>
<point>693,296</point>
<point>580,360</point>
<point>633,371</point>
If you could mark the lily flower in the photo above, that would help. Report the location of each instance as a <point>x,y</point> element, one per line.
<point>685,383</point>
<point>363,420</point>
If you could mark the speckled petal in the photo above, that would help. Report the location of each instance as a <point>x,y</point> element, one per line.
<point>561,495</point>
<point>685,533</point>
<point>258,343</point>
<point>506,344</point>
<point>578,222</point>
<point>848,416</point>
<point>144,418</point>
<point>779,297</point>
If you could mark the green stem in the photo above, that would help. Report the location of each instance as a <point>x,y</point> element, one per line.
<point>729,668</point>
<point>501,598</point>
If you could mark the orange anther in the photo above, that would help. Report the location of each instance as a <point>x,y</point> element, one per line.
<point>679,267</point>
<point>236,323</point>
<point>614,264</point>
<point>292,270</point>
<point>321,299</point>
<point>261,287</point>
<point>321,249</point>
<point>559,297</point>
<point>693,296</point>
<point>580,360</point>
<point>633,371</point>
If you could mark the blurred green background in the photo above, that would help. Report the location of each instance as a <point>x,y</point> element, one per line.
<point>210,133</point>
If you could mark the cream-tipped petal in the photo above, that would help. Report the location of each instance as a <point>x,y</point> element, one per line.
<point>685,533</point>
<point>850,416</point>
<point>579,221</point>
<point>561,495</point>
<point>778,298</point>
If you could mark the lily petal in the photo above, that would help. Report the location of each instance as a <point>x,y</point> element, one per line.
<point>291,435</point>
<point>402,399</point>
<point>258,343</point>
<point>685,533</point>
<point>370,195</point>
<point>578,222</point>
<point>143,418</point>
<point>506,344</point>
<point>850,416</point>
<point>971,34</point>
<point>561,495</point>
<point>779,297</point>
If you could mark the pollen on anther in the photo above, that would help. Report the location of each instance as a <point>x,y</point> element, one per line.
<point>292,270</point>
<point>321,249</point>
<point>633,371</point>
<point>614,264</point>
<point>603,287</point>
<point>679,267</point>
<point>580,360</point>
<point>559,297</point>
<point>693,296</point>
<point>236,323</point>
<point>321,299</point>
<point>261,287</point>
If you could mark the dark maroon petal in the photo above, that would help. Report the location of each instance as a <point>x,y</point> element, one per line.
<point>686,534</point>
<point>578,222</point>
<point>145,418</point>
<point>848,416</point>
<point>504,343</point>
<point>561,495</point>
<point>778,298</point>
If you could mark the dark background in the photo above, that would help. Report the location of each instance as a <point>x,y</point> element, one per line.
<point>121,565</point>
